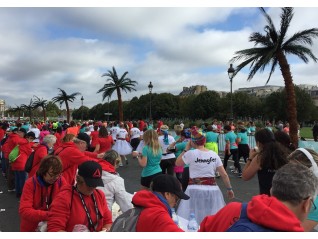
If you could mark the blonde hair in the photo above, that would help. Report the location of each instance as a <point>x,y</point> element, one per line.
<point>177,129</point>
<point>68,138</point>
<point>150,138</point>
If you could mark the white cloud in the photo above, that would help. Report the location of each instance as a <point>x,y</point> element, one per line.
<point>69,48</point>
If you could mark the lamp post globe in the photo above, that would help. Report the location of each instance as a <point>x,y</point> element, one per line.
<point>230,72</point>
<point>150,86</point>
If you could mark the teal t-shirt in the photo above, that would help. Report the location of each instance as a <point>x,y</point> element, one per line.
<point>231,136</point>
<point>244,137</point>
<point>180,147</point>
<point>153,162</point>
<point>313,214</point>
<point>211,137</point>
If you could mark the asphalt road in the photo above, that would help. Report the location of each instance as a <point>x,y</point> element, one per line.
<point>10,221</point>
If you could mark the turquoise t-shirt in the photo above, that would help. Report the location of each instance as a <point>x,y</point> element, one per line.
<point>211,137</point>
<point>244,137</point>
<point>231,136</point>
<point>153,162</point>
<point>313,214</point>
<point>176,137</point>
<point>180,147</point>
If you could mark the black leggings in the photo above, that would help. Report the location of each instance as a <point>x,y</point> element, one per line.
<point>167,166</point>
<point>234,153</point>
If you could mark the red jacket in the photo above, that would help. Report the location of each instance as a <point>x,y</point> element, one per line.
<point>71,157</point>
<point>24,151</point>
<point>33,208</point>
<point>155,216</point>
<point>94,137</point>
<point>105,144</point>
<point>9,144</point>
<point>40,152</point>
<point>59,138</point>
<point>64,214</point>
<point>262,210</point>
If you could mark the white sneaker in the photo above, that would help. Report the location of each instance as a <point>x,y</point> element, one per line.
<point>121,164</point>
<point>232,167</point>
<point>11,190</point>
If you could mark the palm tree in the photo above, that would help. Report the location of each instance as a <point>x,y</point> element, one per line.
<point>274,47</point>
<point>17,109</point>
<point>28,108</point>
<point>40,103</point>
<point>63,97</point>
<point>117,84</point>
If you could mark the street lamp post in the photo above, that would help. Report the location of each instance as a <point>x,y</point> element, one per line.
<point>82,99</point>
<point>230,72</point>
<point>150,86</point>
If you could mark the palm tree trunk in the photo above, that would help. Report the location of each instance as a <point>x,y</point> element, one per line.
<point>67,112</point>
<point>44,114</point>
<point>120,106</point>
<point>291,98</point>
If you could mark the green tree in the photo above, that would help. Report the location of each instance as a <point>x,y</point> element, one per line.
<point>52,110</point>
<point>29,108</point>
<point>274,49</point>
<point>117,84</point>
<point>206,105</point>
<point>63,97</point>
<point>17,109</point>
<point>40,103</point>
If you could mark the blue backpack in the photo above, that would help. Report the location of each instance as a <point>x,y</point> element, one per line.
<point>244,224</point>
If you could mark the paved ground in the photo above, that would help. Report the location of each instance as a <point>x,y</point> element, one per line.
<point>10,222</point>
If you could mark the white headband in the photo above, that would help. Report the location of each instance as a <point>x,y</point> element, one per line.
<point>314,167</point>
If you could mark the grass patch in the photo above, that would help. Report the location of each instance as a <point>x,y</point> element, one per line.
<point>306,132</point>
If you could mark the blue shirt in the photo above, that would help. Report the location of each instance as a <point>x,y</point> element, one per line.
<point>244,137</point>
<point>153,162</point>
<point>231,136</point>
<point>211,137</point>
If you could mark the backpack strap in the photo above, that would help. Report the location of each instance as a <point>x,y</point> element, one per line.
<point>245,224</point>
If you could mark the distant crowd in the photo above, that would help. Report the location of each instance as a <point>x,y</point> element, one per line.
<point>64,176</point>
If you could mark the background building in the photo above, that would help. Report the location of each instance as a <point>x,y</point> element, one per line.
<point>2,107</point>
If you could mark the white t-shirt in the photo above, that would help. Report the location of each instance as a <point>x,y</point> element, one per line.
<point>202,163</point>
<point>121,134</point>
<point>134,133</point>
<point>114,131</point>
<point>165,146</point>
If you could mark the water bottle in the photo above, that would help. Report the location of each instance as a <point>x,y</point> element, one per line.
<point>175,217</point>
<point>193,225</point>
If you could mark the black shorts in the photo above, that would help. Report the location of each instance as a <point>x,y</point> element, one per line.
<point>134,143</point>
<point>145,181</point>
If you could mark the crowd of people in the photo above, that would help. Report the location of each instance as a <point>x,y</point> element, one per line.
<point>73,183</point>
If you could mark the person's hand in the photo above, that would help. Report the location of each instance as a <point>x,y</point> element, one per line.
<point>230,194</point>
<point>252,153</point>
<point>101,155</point>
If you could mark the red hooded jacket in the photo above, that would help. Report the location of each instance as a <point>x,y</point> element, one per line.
<point>24,152</point>
<point>9,144</point>
<point>64,214</point>
<point>262,210</point>
<point>71,157</point>
<point>155,216</point>
<point>40,152</point>
<point>33,208</point>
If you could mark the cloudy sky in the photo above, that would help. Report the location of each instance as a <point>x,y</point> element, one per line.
<point>45,48</point>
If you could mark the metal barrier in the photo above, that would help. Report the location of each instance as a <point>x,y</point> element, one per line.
<point>251,142</point>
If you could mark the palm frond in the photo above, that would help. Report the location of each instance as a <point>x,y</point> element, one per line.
<point>302,37</point>
<point>301,51</point>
